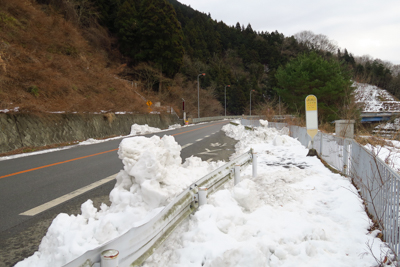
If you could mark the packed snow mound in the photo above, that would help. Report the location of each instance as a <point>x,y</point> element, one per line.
<point>259,135</point>
<point>264,123</point>
<point>375,99</point>
<point>152,176</point>
<point>137,129</point>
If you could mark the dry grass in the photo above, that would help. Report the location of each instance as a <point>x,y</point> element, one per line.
<point>327,127</point>
<point>48,65</point>
<point>173,91</point>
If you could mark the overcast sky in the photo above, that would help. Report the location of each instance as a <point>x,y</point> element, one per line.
<point>368,27</point>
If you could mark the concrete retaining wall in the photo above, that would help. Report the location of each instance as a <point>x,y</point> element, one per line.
<point>29,130</point>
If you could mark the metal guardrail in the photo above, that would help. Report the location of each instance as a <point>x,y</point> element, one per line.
<point>137,244</point>
<point>378,183</point>
<point>204,119</point>
<point>251,118</point>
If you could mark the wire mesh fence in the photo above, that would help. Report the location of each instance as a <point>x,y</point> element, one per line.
<point>378,183</point>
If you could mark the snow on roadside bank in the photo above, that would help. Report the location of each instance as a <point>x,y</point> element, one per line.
<point>153,174</point>
<point>294,213</point>
<point>389,153</point>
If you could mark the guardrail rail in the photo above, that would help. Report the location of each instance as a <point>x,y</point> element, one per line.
<point>137,244</point>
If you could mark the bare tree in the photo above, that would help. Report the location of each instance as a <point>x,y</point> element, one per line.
<point>316,41</point>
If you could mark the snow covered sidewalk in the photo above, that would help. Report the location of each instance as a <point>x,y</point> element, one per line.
<point>294,213</point>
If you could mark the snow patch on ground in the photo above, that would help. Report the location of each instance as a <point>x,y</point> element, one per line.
<point>390,153</point>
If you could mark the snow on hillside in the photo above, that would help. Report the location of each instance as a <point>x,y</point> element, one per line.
<point>375,99</point>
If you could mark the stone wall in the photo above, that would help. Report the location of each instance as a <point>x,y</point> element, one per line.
<point>30,130</point>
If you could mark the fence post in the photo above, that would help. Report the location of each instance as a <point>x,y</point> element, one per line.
<point>254,163</point>
<point>320,145</point>
<point>109,258</point>
<point>202,195</point>
<point>345,156</point>
<point>237,174</point>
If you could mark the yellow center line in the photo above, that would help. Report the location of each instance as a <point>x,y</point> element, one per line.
<point>57,163</point>
<point>88,156</point>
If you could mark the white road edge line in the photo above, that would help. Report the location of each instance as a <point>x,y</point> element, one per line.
<point>55,202</point>
<point>185,146</point>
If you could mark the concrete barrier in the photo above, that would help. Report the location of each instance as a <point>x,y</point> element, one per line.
<point>20,130</point>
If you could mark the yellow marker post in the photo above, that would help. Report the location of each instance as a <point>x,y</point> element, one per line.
<point>312,117</point>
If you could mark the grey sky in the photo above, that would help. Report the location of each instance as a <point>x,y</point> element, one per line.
<point>363,27</point>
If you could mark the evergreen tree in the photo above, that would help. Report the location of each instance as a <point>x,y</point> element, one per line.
<point>160,36</point>
<point>127,25</point>
<point>312,74</point>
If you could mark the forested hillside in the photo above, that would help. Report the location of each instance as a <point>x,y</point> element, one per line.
<point>71,55</point>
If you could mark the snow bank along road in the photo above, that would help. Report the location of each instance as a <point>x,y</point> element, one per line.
<point>31,185</point>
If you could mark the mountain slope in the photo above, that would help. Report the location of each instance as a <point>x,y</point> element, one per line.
<point>375,99</point>
<point>48,65</point>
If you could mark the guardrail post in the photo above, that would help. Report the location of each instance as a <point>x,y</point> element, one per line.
<point>202,196</point>
<point>254,154</point>
<point>237,174</point>
<point>109,258</point>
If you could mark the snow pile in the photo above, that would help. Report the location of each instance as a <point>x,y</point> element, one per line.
<point>259,135</point>
<point>90,141</point>
<point>142,129</point>
<point>264,123</point>
<point>152,176</point>
<point>390,153</point>
<point>174,126</point>
<point>389,126</point>
<point>294,213</point>
<point>16,109</point>
<point>375,99</point>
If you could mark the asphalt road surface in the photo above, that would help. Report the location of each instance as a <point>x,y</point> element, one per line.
<point>34,189</point>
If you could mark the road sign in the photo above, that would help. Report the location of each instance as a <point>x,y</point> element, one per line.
<point>312,116</point>
<point>149,103</point>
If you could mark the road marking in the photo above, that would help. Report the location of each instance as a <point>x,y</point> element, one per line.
<point>185,146</point>
<point>198,140</point>
<point>62,199</point>
<point>206,136</point>
<point>209,152</point>
<point>57,163</point>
